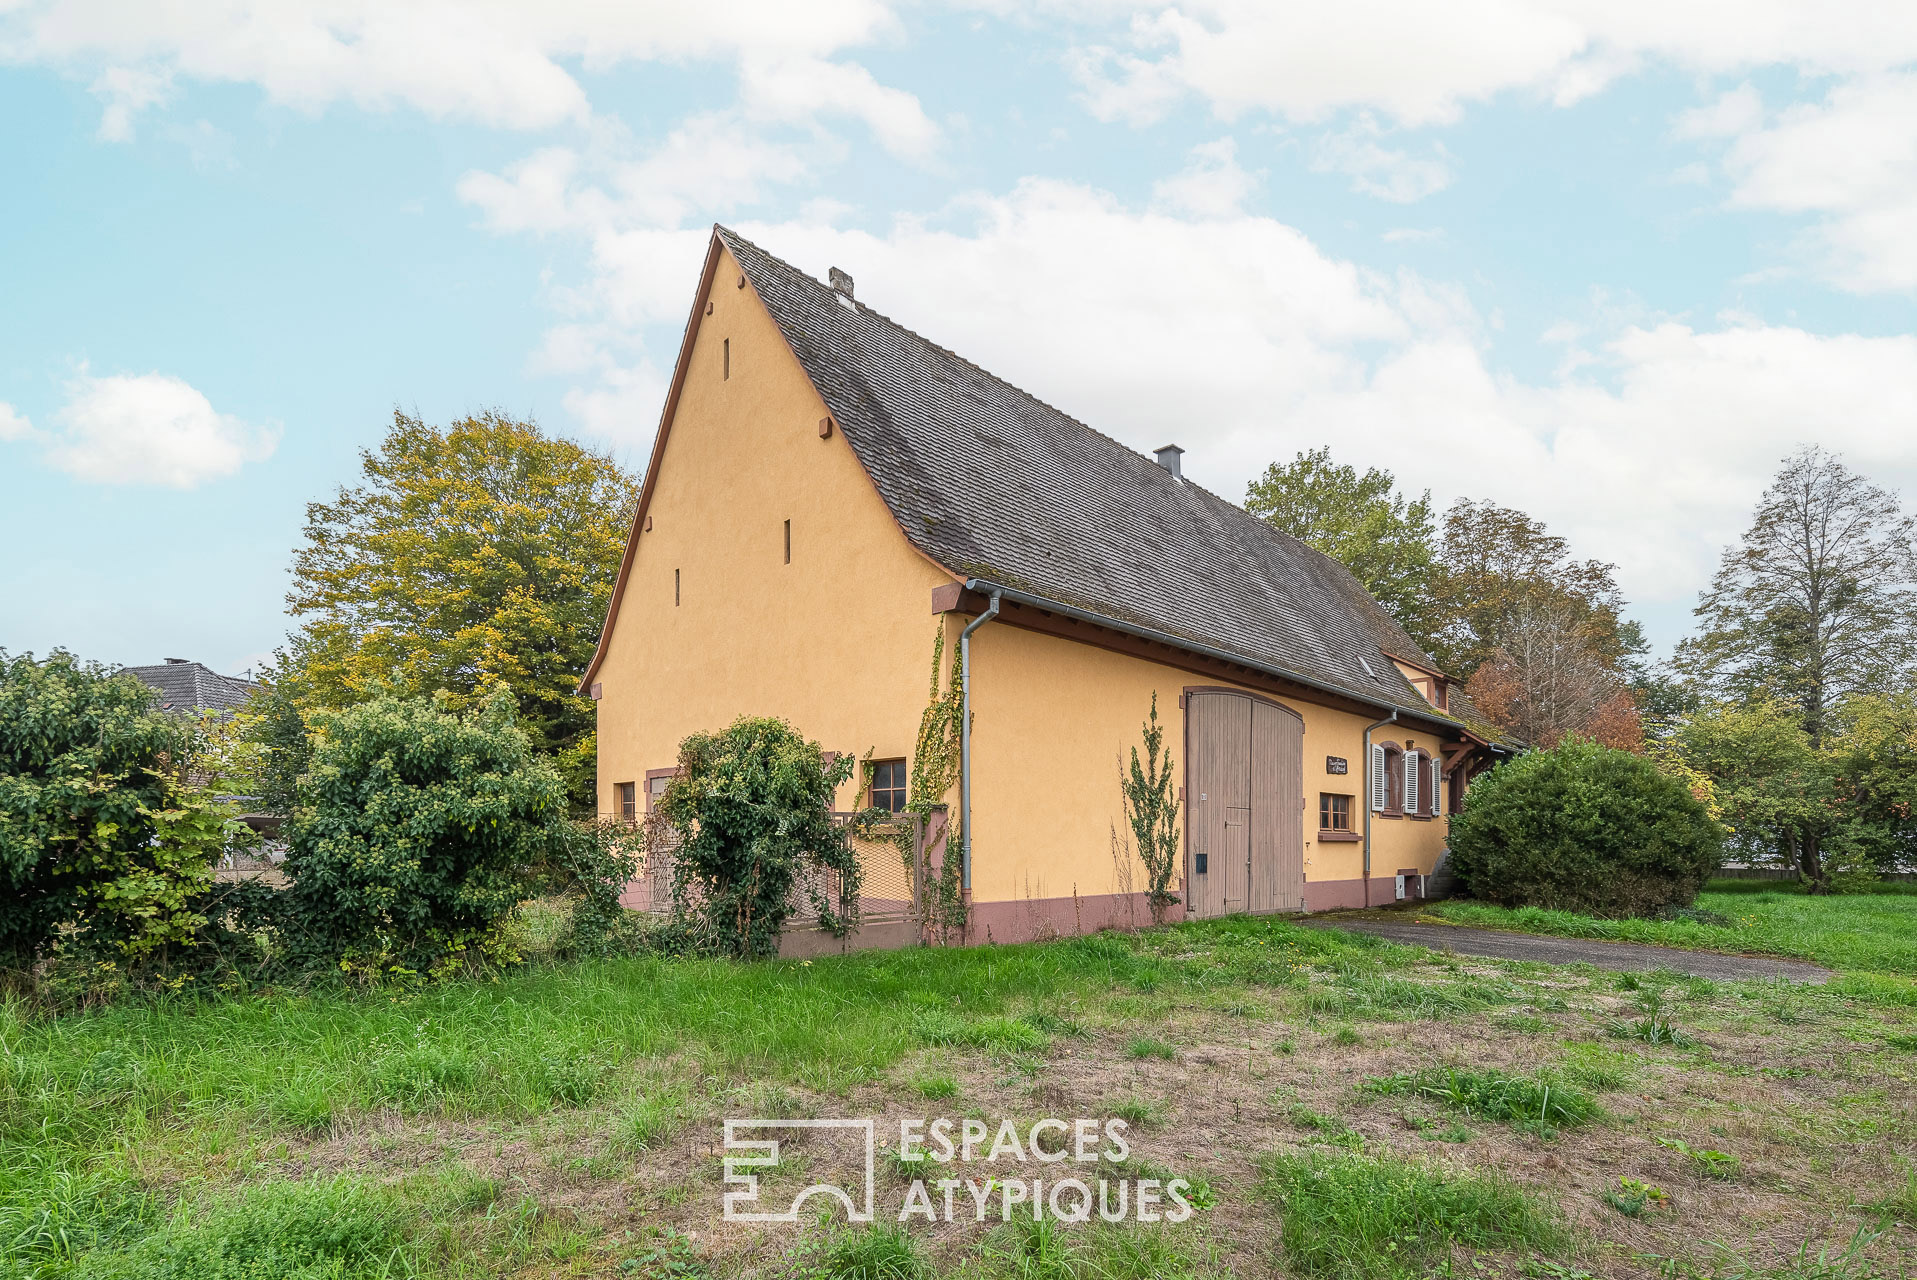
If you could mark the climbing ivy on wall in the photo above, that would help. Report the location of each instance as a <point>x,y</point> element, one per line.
<point>935,771</point>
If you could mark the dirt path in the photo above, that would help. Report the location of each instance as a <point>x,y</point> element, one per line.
<point>1605,955</point>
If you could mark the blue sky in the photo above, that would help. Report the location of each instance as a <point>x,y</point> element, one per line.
<point>1608,264</point>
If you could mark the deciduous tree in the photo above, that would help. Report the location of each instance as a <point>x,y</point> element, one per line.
<point>1503,572</point>
<point>1818,601</point>
<point>1548,679</point>
<point>469,558</point>
<point>1360,520</point>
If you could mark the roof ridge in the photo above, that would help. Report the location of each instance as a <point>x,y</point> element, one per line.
<point>956,451</point>
<point>967,361</point>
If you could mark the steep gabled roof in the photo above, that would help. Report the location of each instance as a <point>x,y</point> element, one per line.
<point>995,484</point>
<point>191,686</point>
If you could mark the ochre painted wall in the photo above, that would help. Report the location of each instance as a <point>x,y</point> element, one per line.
<point>1052,719</point>
<point>839,641</point>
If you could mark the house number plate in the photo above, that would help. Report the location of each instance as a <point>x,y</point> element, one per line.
<point>1336,764</point>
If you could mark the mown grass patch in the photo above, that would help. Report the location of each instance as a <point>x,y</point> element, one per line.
<point>1861,932</point>
<point>1348,1216</point>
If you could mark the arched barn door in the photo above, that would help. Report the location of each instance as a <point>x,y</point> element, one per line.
<point>1244,804</point>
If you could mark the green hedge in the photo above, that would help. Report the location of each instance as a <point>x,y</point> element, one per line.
<point>1584,828</point>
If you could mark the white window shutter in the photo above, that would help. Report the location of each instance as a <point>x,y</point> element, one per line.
<point>1437,786</point>
<point>1380,785</point>
<point>1411,782</point>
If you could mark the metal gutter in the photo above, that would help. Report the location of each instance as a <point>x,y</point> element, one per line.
<point>1191,646</point>
<point>965,739</point>
<point>1390,719</point>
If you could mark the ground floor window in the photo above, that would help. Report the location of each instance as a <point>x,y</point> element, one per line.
<point>628,801</point>
<point>888,785</point>
<point>1334,812</point>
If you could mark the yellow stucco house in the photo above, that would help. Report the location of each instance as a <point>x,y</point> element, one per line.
<point>828,490</point>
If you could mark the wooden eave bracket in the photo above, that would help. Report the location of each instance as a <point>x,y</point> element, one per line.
<point>954,598</point>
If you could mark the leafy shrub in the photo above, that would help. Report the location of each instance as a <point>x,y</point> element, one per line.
<point>751,808</point>
<point>1584,828</point>
<point>414,830</point>
<point>98,830</point>
<point>589,865</point>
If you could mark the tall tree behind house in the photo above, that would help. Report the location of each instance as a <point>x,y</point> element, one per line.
<point>470,557</point>
<point>1817,602</point>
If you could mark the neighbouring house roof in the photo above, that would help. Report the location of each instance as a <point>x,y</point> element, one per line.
<point>996,485</point>
<point>186,687</point>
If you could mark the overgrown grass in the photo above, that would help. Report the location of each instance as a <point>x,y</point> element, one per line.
<point>877,1253</point>
<point>94,1106</point>
<point>1862,932</point>
<point>1043,1250</point>
<point>1359,1217</point>
<point>329,1229</point>
<point>1539,1103</point>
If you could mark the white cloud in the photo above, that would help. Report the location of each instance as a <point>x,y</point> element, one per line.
<point>127,91</point>
<point>1377,170</point>
<point>1195,319</point>
<point>1737,111</point>
<point>496,62</point>
<point>143,429</point>
<point>14,424</point>
<point>1212,185</point>
<point>1418,63</point>
<point>1852,159</point>
<point>776,89</point>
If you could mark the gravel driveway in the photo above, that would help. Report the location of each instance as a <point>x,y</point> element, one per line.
<point>1605,955</point>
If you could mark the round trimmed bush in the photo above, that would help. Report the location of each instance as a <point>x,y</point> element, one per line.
<point>1584,828</point>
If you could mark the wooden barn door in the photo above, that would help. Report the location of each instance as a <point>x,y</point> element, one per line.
<point>1243,795</point>
<point>1277,807</point>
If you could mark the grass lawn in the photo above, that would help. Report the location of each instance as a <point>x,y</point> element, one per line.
<point>1341,1107</point>
<point>1867,933</point>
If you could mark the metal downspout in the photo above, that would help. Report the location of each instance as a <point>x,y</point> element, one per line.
<point>965,744</point>
<point>1379,724</point>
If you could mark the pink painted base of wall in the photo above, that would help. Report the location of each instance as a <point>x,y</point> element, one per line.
<point>1039,919</point>
<point>1341,895</point>
<point>1035,919</point>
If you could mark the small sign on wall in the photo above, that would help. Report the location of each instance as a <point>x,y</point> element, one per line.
<point>1336,764</point>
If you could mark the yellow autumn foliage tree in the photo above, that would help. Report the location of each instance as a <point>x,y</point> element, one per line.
<point>469,557</point>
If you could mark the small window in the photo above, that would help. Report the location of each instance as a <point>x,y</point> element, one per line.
<point>1387,779</point>
<point>628,801</point>
<point>675,588</point>
<point>1334,812</point>
<point>727,359</point>
<point>888,785</point>
<point>788,542</point>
